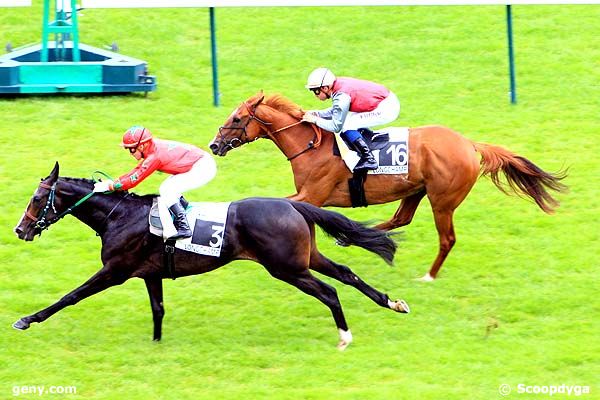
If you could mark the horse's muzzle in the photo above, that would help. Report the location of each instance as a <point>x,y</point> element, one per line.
<point>219,149</point>
<point>21,234</point>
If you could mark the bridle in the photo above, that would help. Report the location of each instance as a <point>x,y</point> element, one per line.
<point>243,138</point>
<point>41,222</point>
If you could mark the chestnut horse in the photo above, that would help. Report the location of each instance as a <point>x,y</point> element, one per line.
<point>442,165</point>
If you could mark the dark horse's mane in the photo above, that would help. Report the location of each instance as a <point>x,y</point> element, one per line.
<point>283,104</point>
<point>90,183</point>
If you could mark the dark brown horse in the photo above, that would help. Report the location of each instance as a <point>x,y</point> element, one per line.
<point>442,165</point>
<point>277,233</point>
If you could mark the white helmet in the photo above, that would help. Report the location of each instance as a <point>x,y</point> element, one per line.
<point>320,77</point>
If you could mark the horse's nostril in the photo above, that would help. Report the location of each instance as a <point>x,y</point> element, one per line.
<point>18,230</point>
<point>214,147</point>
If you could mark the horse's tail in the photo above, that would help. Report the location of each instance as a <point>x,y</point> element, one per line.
<point>348,231</point>
<point>524,177</point>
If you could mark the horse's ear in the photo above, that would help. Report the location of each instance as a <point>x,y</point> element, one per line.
<point>260,96</point>
<point>54,174</point>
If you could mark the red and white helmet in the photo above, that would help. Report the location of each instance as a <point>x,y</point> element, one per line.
<point>320,77</point>
<point>135,136</point>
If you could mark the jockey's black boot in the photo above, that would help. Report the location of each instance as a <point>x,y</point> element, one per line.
<point>367,161</point>
<point>184,202</point>
<point>180,222</point>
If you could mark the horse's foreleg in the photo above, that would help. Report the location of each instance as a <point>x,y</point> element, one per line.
<point>308,198</point>
<point>404,214</point>
<point>155,291</point>
<point>327,267</point>
<point>316,190</point>
<point>103,279</point>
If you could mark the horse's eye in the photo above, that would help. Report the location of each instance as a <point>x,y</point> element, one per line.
<point>236,120</point>
<point>36,199</point>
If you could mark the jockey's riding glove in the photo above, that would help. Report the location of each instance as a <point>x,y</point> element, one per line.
<point>103,186</point>
<point>309,117</point>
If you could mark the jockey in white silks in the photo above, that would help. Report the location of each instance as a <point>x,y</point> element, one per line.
<point>356,104</point>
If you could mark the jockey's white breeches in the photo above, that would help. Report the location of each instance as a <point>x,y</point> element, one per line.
<point>202,172</point>
<point>387,111</point>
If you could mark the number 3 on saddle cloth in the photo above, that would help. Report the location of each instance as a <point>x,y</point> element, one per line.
<point>207,222</point>
<point>389,147</point>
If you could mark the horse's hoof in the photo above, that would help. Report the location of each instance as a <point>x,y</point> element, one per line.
<point>342,345</point>
<point>21,325</point>
<point>345,339</point>
<point>426,278</point>
<point>401,306</point>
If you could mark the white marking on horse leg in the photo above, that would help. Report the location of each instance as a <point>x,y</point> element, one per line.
<point>345,339</point>
<point>426,278</point>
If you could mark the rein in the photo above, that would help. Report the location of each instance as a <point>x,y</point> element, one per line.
<point>313,144</point>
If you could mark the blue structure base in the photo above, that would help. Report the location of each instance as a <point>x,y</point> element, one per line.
<point>98,71</point>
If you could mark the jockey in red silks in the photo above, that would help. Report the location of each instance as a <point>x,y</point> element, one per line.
<point>189,166</point>
<point>355,104</point>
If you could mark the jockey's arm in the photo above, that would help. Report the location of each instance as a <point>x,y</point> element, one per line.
<point>137,175</point>
<point>339,110</point>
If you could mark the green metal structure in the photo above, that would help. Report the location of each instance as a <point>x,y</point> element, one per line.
<point>64,65</point>
<point>63,27</point>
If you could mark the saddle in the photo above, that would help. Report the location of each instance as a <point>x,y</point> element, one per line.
<point>375,140</point>
<point>390,149</point>
<point>156,227</point>
<point>207,221</point>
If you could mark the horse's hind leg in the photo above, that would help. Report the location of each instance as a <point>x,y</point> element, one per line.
<point>342,273</point>
<point>447,238</point>
<point>155,291</point>
<point>404,214</point>
<point>444,200</point>
<point>312,286</point>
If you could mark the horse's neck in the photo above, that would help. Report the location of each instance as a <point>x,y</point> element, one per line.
<point>290,138</point>
<point>93,211</point>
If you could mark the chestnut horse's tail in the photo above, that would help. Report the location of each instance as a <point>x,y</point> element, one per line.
<point>524,177</point>
<point>348,231</point>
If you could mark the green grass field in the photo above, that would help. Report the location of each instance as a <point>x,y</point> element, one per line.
<point>516,301</point>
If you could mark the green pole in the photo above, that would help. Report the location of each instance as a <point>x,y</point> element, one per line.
<point>213,51</point>
<point>63,30</point>
<point>511,56</point>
